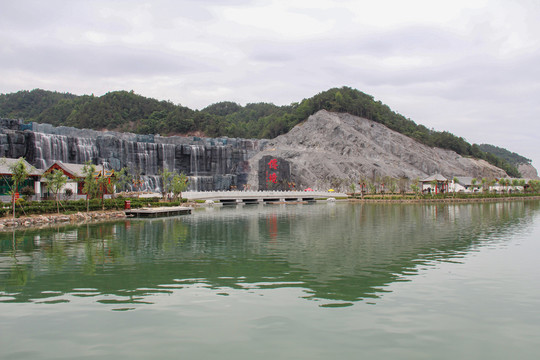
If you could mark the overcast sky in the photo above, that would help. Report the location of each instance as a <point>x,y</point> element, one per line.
<point>470,67</point>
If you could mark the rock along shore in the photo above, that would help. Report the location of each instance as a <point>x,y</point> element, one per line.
<point>8,223</point>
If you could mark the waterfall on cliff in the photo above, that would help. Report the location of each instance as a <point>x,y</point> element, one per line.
<point>197,153</point>
<point>86,151</point>
<point>169,153</point>
<point>50,148</point>
<point>210,164</point>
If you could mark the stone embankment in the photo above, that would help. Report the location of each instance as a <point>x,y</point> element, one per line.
<point>8,223</point>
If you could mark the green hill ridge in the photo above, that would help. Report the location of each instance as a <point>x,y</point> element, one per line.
<point>130,112</point>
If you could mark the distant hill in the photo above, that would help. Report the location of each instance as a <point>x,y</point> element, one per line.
<point>127,111</point>
<point>29,105</point>
<point>511,157</point>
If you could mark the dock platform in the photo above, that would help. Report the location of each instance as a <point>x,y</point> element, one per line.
<point>147,212</point>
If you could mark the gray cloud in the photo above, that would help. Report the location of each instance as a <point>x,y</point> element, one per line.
<point>100,61</point>
<point>475,75</point>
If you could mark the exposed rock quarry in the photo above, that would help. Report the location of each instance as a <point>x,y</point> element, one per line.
<point>528,171</point>
<point>330,146</point>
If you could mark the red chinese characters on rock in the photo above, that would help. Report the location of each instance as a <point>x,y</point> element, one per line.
<point>272,164</point>
<point>272,177</point>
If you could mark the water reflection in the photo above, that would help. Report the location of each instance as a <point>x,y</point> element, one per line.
<point>340,254</point>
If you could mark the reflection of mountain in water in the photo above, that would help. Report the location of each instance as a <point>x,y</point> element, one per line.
<point>341,252</point>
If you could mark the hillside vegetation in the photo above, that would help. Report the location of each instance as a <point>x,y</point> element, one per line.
<point>127,111</point>
<point>511,157</point>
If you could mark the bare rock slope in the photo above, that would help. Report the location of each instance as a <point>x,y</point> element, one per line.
<point>528,171</point>
<point>329,146</point>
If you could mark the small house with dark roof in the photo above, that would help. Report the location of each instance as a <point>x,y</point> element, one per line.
<point>6,182</point>
<point>467,183</point>
<point>435,184</point>
<point>75,175</point>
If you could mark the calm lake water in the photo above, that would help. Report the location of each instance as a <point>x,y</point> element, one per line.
<point>324,281</point>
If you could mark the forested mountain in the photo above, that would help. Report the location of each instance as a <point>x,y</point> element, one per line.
<point>127,111</point>
<point>29,105</point>
<point>511,157</point>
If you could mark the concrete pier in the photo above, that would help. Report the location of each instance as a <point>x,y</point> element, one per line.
<point>158,211</point>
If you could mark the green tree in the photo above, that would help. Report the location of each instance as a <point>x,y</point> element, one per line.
<point>105,185</point>
<point>503,183</point>
<point>55,182</point>
<point>19,173</point>
<point>179,184</point>
<point>353,189</point>
<point>455,180</point>
<point>491,184</point>
<point>91,185</point>
<point>122,178</point>
<point>166,178</point>
<point>515,183</point>
<point>484,184</point>
<point>403,184</point>
<point>392,185</point>
<point>433,187</point>
<point>415,187</point>
<point>534,186</point>
<point>27,192</point>
<point>473,183</point>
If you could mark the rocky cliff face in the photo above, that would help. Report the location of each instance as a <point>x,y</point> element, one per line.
<point>331,148</point>
<point>212,164</point>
